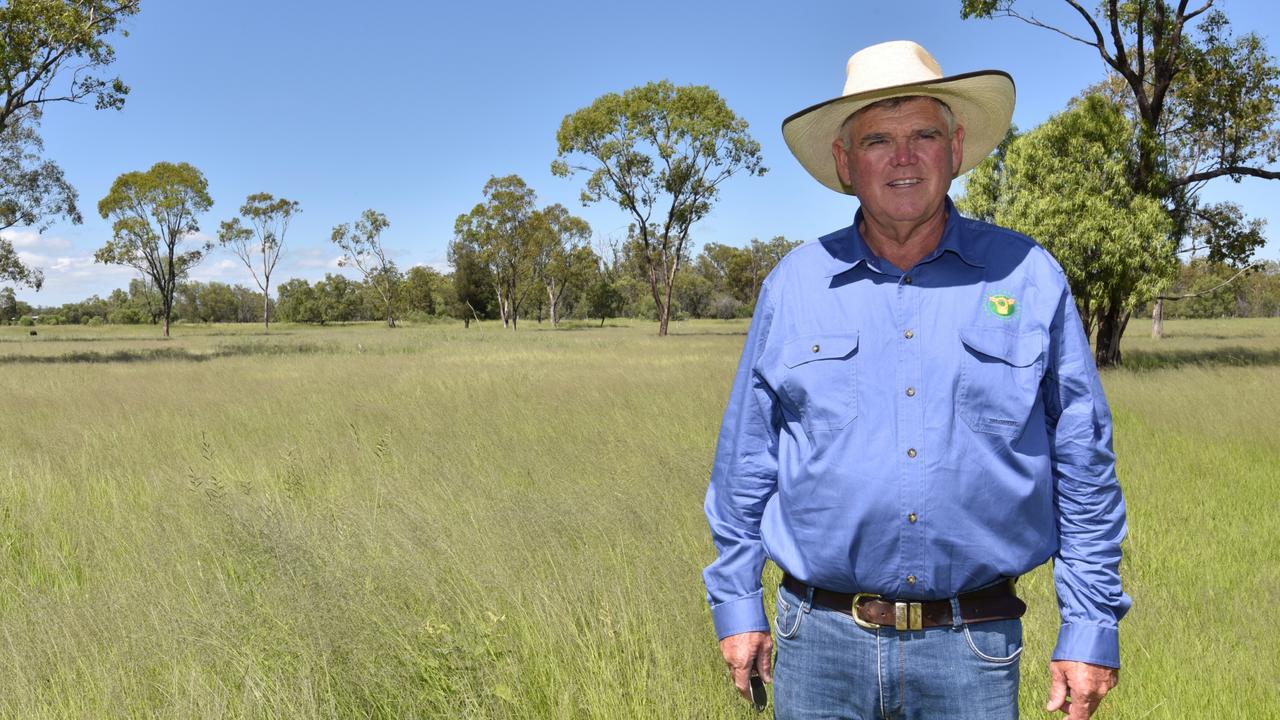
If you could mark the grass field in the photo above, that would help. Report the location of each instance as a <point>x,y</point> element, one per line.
<point>438,522</point>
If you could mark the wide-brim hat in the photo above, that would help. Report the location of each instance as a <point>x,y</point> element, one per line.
<point>981,101</point>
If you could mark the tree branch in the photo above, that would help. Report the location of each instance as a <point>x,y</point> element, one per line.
<point>1219,172</point>
<point>1228,281</point>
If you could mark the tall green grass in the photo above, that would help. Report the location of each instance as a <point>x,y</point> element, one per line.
<point>438,522</point>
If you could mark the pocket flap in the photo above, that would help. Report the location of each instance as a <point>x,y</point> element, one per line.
<point>1016,349</point>
<point>827,346</point>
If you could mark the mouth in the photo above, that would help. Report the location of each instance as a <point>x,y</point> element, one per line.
<point>905,182</point>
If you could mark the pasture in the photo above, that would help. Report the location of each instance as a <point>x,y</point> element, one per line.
<point>355,522</point>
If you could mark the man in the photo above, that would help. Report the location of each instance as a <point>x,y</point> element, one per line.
<point>916,421</point>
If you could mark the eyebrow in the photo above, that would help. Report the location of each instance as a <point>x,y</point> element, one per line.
<point>921,132</point>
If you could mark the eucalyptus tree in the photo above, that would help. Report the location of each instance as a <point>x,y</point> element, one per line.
<point>260,244</point>
<point>509,236</point>
<point>1204,105</point>
<point>361,245</point>
<point>154,217</point>
<point>50,53</point>
<point>660,152</point>
<point>1065,184</point>
<point>471,283</point>
<point>567,260</point>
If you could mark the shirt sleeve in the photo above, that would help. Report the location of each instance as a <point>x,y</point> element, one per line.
<point>1087,498</point>
<point>743,478</point>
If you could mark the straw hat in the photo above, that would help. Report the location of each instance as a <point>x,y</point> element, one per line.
<point>981,101</point>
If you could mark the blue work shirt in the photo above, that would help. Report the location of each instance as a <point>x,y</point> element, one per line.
<point>919,434</point>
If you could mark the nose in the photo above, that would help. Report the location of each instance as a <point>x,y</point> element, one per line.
<point>904,153</point>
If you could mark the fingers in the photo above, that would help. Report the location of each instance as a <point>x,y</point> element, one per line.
<point>744,652</point>
<point>1057,689</point>
<point>1084,684</point>
<point>764,660</point>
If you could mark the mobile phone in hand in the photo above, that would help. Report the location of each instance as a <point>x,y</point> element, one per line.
<point>759,696</point>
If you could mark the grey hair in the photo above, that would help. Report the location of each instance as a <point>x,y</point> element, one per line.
<point>890,103</point>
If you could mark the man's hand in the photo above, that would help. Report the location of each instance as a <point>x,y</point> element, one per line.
<point>745,651</point>
<point>1086,684</point>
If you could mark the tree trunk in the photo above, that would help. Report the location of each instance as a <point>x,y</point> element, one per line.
<point>551,302</point>
<point>1157,319</point>
<point>1110,329</point>
<point>266,308</point>
<point>666,306</point>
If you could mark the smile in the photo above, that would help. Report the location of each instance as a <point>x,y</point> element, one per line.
<point>905,182</point>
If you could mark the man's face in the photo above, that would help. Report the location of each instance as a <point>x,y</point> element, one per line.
<point>899,160</point>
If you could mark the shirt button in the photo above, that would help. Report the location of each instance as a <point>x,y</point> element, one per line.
<point>911,452</point>
<point>816,348</point>
<point>911,392</point>
<point>911,579</point>
<point>908,334</point>
<point>911,518</point>
<point>907,279</point>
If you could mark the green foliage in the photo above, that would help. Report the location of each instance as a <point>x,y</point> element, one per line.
<point>52,49</point>
<point>362,247</point>
<point>154,214</point>
<point>603,298</point>
<point>567,261</point>
<point>33,191</point>
<point>1208,289</point>
<point>1065,184</point>
<point>420,291</point>
<point>259,246</point>
<point>505,235</point>
<point>1203,105</point>
<point>523,249</point>
<point>739,272</point>
<point>216,302</point>
<point>473,284</point>
<point>50,53</point>
<point>660,152</point>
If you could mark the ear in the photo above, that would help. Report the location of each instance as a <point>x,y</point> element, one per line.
<point>957,149</point>
<point>842,162</point>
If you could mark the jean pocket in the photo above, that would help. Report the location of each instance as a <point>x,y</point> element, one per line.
<point>819,379</point>
<point>790,613</point>
<point>996,641</point>
<point>999,379</point>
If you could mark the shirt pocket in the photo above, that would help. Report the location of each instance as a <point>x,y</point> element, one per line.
<point>1000,375</point>
<point>820,379</point>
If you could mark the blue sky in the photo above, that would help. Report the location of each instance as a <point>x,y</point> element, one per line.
<point>409,107</point>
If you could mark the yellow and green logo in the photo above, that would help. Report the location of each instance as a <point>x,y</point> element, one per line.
<point>1002,306</point>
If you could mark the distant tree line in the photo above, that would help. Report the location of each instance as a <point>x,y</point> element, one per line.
<point>722,281</point>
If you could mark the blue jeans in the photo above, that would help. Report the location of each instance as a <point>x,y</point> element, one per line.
<point>830,667</point>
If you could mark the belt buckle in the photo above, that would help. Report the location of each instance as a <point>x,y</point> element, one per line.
<point>854,610</point>
<point>908,616</point>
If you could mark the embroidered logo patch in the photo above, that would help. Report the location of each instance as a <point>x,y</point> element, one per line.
<point>1002,306</point>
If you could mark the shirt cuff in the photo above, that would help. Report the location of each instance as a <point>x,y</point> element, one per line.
<point>1094,644</point>
<point>740,615</point>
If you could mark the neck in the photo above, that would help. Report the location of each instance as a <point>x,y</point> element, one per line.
<point>903,244</point>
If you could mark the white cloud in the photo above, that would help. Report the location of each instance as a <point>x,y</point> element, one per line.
<point>23,239</point>
<point>312,259</point>
<point>440,266</point>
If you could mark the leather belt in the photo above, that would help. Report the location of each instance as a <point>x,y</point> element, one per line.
<point>994,602</point>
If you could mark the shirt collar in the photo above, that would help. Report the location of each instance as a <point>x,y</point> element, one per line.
<point>847,248</point>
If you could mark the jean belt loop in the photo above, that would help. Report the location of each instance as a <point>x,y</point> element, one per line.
<point>807,605</point>
<point>956,620</point>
